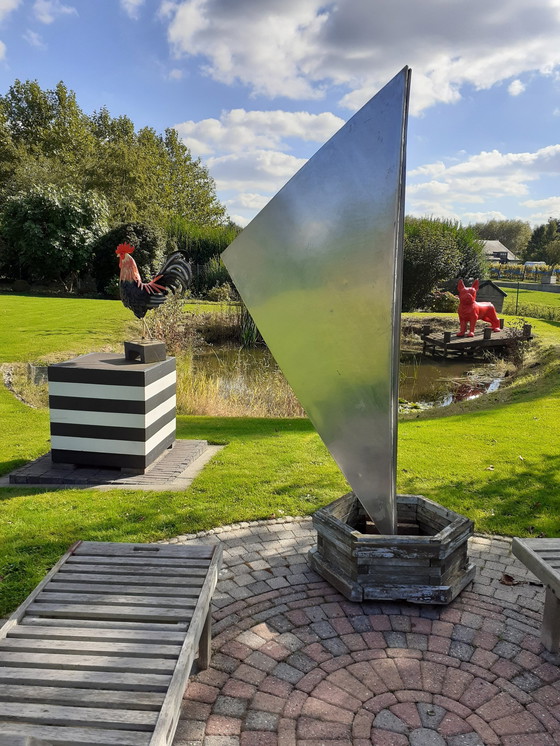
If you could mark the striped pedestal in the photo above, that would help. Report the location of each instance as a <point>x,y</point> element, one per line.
<point>109,411</point>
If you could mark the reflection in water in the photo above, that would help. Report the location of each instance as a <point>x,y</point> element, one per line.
<point>239,373</point>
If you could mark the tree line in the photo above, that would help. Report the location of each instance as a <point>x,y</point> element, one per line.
<point>68,178</point>
<point>539,244</point>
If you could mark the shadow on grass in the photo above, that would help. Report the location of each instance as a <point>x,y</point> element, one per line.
<point>525,504</point>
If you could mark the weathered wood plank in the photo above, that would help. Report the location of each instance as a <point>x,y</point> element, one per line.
<point>55,736</point>
<point>81,647</point>
<point>109,663</point>
<point>167,591</point>
<point>49,714</point>
<point>113,624</point>
<point>141,682</point>
<point>154,581</point>
<point>72,696</point>
<point>106,548</point>
<point>112,565</point>
<point>124,613</point>
<point>93,634</point>
<point>167,602</point>
<point>526,550</point>
<point>170,711</point>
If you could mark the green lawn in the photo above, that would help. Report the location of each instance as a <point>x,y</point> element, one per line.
<point>34,327</point>
<point>495,460</point>
<point>531,297</point>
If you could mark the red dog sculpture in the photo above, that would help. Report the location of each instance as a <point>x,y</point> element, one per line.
<point>470,311</point>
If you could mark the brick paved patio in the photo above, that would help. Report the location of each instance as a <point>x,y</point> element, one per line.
<point>295,663</point>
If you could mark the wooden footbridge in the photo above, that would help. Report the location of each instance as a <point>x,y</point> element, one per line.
<point>446,344</point>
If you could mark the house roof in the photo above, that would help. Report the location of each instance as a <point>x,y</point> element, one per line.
<point>485,283</point>
<point>494,247</point>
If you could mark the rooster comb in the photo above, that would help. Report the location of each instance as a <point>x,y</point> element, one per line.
<point>124,248</point>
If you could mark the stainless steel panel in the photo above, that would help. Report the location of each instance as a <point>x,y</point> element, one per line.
<point>320,270</point>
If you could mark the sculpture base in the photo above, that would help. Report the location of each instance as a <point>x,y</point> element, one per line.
<point>426,562</point>
<point>145,352</point>
<point>107,411</point>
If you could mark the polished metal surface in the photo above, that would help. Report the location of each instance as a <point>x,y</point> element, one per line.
<point>319,268</point>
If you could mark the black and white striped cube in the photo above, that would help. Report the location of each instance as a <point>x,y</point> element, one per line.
<point>106,411</point>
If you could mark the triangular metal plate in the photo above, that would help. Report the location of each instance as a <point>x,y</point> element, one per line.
<point>319,268</point>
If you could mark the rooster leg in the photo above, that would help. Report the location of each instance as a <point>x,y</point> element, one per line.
<point>144,329</point>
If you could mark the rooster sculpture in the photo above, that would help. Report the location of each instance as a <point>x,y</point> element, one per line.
<point>140,297</point>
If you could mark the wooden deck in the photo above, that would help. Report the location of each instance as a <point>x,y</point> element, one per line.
<point>446,344</point>
<point>101,651</point>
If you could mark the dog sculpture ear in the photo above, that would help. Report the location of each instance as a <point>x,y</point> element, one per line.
<point>460,285</point>
<point>475,284</point>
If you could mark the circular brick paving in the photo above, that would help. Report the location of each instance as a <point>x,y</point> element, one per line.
<point>295,663</point>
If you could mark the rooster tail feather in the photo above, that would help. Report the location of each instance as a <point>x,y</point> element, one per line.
<point>176,273</point>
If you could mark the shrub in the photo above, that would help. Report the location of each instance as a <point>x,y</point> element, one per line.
<point>442,301</point>
<point>220,293</point>
<point>48,234</point>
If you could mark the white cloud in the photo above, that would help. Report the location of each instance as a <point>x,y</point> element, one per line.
<point>132,7</point>
<point>6,6</point>
<point>175,74</point>
<point>516,87</point>
<point>239,129</point>
<point>34,39</point>
<point>483,217</point>
<point>46,11</point>
<point>262,170</point>
<point>2,50</point>
<point>485,179</point>
<point>542,209</point>
<point>296,48</point>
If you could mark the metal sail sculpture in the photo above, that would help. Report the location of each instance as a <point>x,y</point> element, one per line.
<point>319,269</point>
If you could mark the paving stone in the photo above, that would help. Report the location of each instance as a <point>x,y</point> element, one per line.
<point>426,737</point>
<point>386,720</point>
<point>431,715</point>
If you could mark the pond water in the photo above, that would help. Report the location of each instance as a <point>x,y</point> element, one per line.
<point>425,380</point>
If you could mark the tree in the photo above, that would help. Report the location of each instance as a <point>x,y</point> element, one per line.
<point>541,236</point>
<point>47,140</point>
<point>436,251</point>
<point>514,234</point>
<point>48,233</point>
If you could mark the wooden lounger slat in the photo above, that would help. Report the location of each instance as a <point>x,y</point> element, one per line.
<point>155,581</point>
<point>56,736</point>
<point>93,634</point>
<point>84,662</point>
<point>101,651</point>
<point>125,613</point>
<point>142,682</point>
<point>53,597</point>
<point>106,548</point>
<point>150,626</point>
<point>172,591</point>
<point>81,697</point>
<point>80,647</point>
<point>81,717</point>
<point>145,567</point>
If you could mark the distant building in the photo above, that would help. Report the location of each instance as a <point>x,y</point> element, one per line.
<point>496,252</point>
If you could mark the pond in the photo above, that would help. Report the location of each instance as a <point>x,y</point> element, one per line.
<point>241,373</point>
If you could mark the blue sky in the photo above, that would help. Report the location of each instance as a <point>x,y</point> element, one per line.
<point>256,86</point>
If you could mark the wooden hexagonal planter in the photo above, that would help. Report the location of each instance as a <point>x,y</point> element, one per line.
<point>426,562</point>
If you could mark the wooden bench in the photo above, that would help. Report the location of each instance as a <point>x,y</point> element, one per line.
<point>542,558</point>
<point>101,651</point>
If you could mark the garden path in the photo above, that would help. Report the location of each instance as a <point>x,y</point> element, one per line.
<point>295,664</point>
